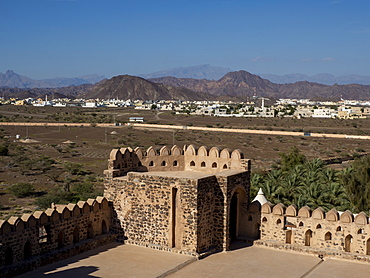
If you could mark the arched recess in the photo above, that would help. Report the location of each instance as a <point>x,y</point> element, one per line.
<point>348,243</point>
<point>368,247</point>
<point>308,238</point>
<point>60,239</point>
<point>90,231</point>
<point>239,197</point>
<point>104,229</point>
<point>203,164</point>
<point>76,235</point>
<point>8,260</point>
<point>328,236</point>
<point>27,250</point>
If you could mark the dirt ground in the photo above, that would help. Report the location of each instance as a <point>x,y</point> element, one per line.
<point>92,145</point>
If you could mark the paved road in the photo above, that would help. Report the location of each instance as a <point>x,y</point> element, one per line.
<point>213,129</point>
<point>251,131</point>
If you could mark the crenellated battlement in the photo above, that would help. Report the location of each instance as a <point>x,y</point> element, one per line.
<point>52,215</point>
<point>333,233</point>
<point>63,229</point>
<point>188,158</point>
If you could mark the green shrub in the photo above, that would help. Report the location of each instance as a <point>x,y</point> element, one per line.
<point>4,151</point>
<point>22,189</point>
<point>58,196</point>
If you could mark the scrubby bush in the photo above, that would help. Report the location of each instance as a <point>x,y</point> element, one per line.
<point>22,189</point>
<point>4,151</point>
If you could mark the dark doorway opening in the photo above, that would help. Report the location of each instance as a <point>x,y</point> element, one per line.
<point>174,205</point>
<point>233,217</point>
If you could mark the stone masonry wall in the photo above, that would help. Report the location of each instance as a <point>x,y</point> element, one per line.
<point>124,160</point>
<point>330,234</point>
<point>144,207</point>
<point>26,239</point>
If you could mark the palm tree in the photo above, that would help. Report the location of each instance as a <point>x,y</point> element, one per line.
<point>356,181</point>
<point>291,188</point>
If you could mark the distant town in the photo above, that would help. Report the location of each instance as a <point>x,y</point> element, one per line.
<point>256,107</point>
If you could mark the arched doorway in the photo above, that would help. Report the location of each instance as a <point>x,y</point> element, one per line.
<point>76,235</point>
<point>288,237</point>
<point>8,256</point>
<point>368,247</point>
<point>27,250</point>
<point>104,227</point>
<point>236,226</point>
<point>60,239</point>
<point>257,233</point>
<point>90,231</point>
<point>307,238</point>
<point>233,217</point>
<point>348,243</point>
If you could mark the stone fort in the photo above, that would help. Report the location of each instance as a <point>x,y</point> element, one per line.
<point>185,200</point>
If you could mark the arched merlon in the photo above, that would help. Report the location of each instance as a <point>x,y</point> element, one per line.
<point>52,215</point>
<point>291,210</point>
<point>329,230</point>
<point>124,160</point>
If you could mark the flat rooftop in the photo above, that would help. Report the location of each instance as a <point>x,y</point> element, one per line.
<point>118,260</point>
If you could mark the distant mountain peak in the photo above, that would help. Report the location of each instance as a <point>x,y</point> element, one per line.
<point>204,71</point>
<point>14,80</point>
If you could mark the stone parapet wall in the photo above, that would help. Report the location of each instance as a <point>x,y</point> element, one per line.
<point>339,234</point>
<point>56,255</point>
<point>121,161</point>
<point>51,231</point>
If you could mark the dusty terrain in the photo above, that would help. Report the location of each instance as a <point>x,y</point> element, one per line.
<point>91,144</point>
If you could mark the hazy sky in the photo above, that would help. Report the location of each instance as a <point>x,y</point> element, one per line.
<point>55,38</point>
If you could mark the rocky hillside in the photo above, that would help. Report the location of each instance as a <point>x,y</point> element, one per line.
<point>243,83</point>
<point>196,72</point>
<point>132,87</point>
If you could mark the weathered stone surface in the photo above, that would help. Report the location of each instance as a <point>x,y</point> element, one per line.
<point>179,199</point>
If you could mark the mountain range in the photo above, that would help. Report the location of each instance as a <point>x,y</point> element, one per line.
<point>243,84</point>
<point>13,80</point>
<point>215,73</point>
<point>238,86</point>
<point>322,78</point>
